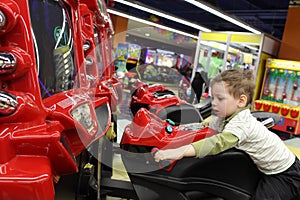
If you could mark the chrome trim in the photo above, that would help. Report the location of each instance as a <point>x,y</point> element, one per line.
<point>88,61</point>
<point>2,20</point>
<point>269,122</point>
<point>86,45</point>
<point>7,63</point>
<point>8,103</point>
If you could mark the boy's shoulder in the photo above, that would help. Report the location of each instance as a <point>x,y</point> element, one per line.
<point>244,113</point>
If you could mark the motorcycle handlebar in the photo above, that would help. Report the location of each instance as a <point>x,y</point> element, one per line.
<point>163,164</point>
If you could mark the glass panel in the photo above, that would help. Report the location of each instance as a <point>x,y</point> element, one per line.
<point>98,52</point>
<point>211,57</point>
<point>164,58</point>
<point>242,56</point>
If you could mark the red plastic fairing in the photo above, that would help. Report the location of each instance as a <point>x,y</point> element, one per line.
<point>146,94</point>
<point>25,143</point>
<point>26,177</point>
<point>149,130</point>
<point>97,32</point>
<point>104,33</point>
<point>16,38</point>
<point>112,89</point>
<point>62,105</point>
<point>40,137</point>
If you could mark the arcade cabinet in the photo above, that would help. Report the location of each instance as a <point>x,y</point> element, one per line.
<point>281,94</point>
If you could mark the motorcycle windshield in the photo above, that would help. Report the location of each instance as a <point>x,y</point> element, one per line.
<point>53,43</point>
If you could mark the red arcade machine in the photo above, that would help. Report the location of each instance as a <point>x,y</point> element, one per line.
<point>57,91</point>
<point>164,103</point>
<point>147,131</point>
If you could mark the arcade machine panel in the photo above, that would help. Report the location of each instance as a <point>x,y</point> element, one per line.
<point>281,94</point>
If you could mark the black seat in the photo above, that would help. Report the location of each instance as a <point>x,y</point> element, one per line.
<point>181,114</point>
<point>229,175</point>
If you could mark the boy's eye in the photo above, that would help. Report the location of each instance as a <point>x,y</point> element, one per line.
<point>220,98</point>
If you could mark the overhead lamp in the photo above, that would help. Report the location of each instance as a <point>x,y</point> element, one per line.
<point>150,23</point>
<point>249,47</point>
<point>223,16</point>
<point>169,17</point>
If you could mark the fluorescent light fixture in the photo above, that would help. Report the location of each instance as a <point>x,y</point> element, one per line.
<point>150,23</point>
<point>249,47</point>
<point>223,16</point>
<point>175,19</point>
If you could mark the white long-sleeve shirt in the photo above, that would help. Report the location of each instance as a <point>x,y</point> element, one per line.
<point>244,132</point>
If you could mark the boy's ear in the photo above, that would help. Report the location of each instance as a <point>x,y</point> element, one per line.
<point>242,101</point>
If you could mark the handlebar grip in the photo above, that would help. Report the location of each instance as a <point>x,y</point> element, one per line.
<point>154,151</point>
<point>163,164</point>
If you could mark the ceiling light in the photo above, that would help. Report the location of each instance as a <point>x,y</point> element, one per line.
<point>169,17</point>
<point>223,16</point>
<point>249,47</point>
<point>150,23</point>
<point>147,34</point>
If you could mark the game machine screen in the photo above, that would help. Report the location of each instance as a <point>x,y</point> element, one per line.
<point>53,47</point>
<point>166,58</point>
<point>146,70</point>
<point>158,65</point>
<point>60,85</point>
<point>183,64</point>
<point>166,63</point>
<point>184,60</point>
<point>121,55</point>
<point>134,52</point>
<point>126,62</point>
<point>127,57</point>
<point>150,56</point>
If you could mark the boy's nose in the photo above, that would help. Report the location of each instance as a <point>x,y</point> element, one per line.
<point>213,102</point>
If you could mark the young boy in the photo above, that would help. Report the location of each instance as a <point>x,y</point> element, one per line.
<point>232,94</point>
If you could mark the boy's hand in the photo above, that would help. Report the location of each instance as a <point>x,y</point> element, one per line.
<point>174,154</point>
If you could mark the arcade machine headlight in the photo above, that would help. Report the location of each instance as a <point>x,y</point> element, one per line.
<point>8,103</point>
<point>7,59</point>
<point>82,114</point>
<point>2,20</point>
<point>7,63</point>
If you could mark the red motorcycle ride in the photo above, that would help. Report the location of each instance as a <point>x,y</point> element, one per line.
<point>57,91</point>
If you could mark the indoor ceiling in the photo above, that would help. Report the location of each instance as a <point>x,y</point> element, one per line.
<point>267,16</point>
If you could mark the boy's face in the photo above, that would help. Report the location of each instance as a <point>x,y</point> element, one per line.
<point>223,104</point>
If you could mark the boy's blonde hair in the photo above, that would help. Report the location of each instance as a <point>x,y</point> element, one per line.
<point>238,82</point>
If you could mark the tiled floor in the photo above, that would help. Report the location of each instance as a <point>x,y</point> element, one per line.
<point>119,172</point>
<point>294,145</point>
